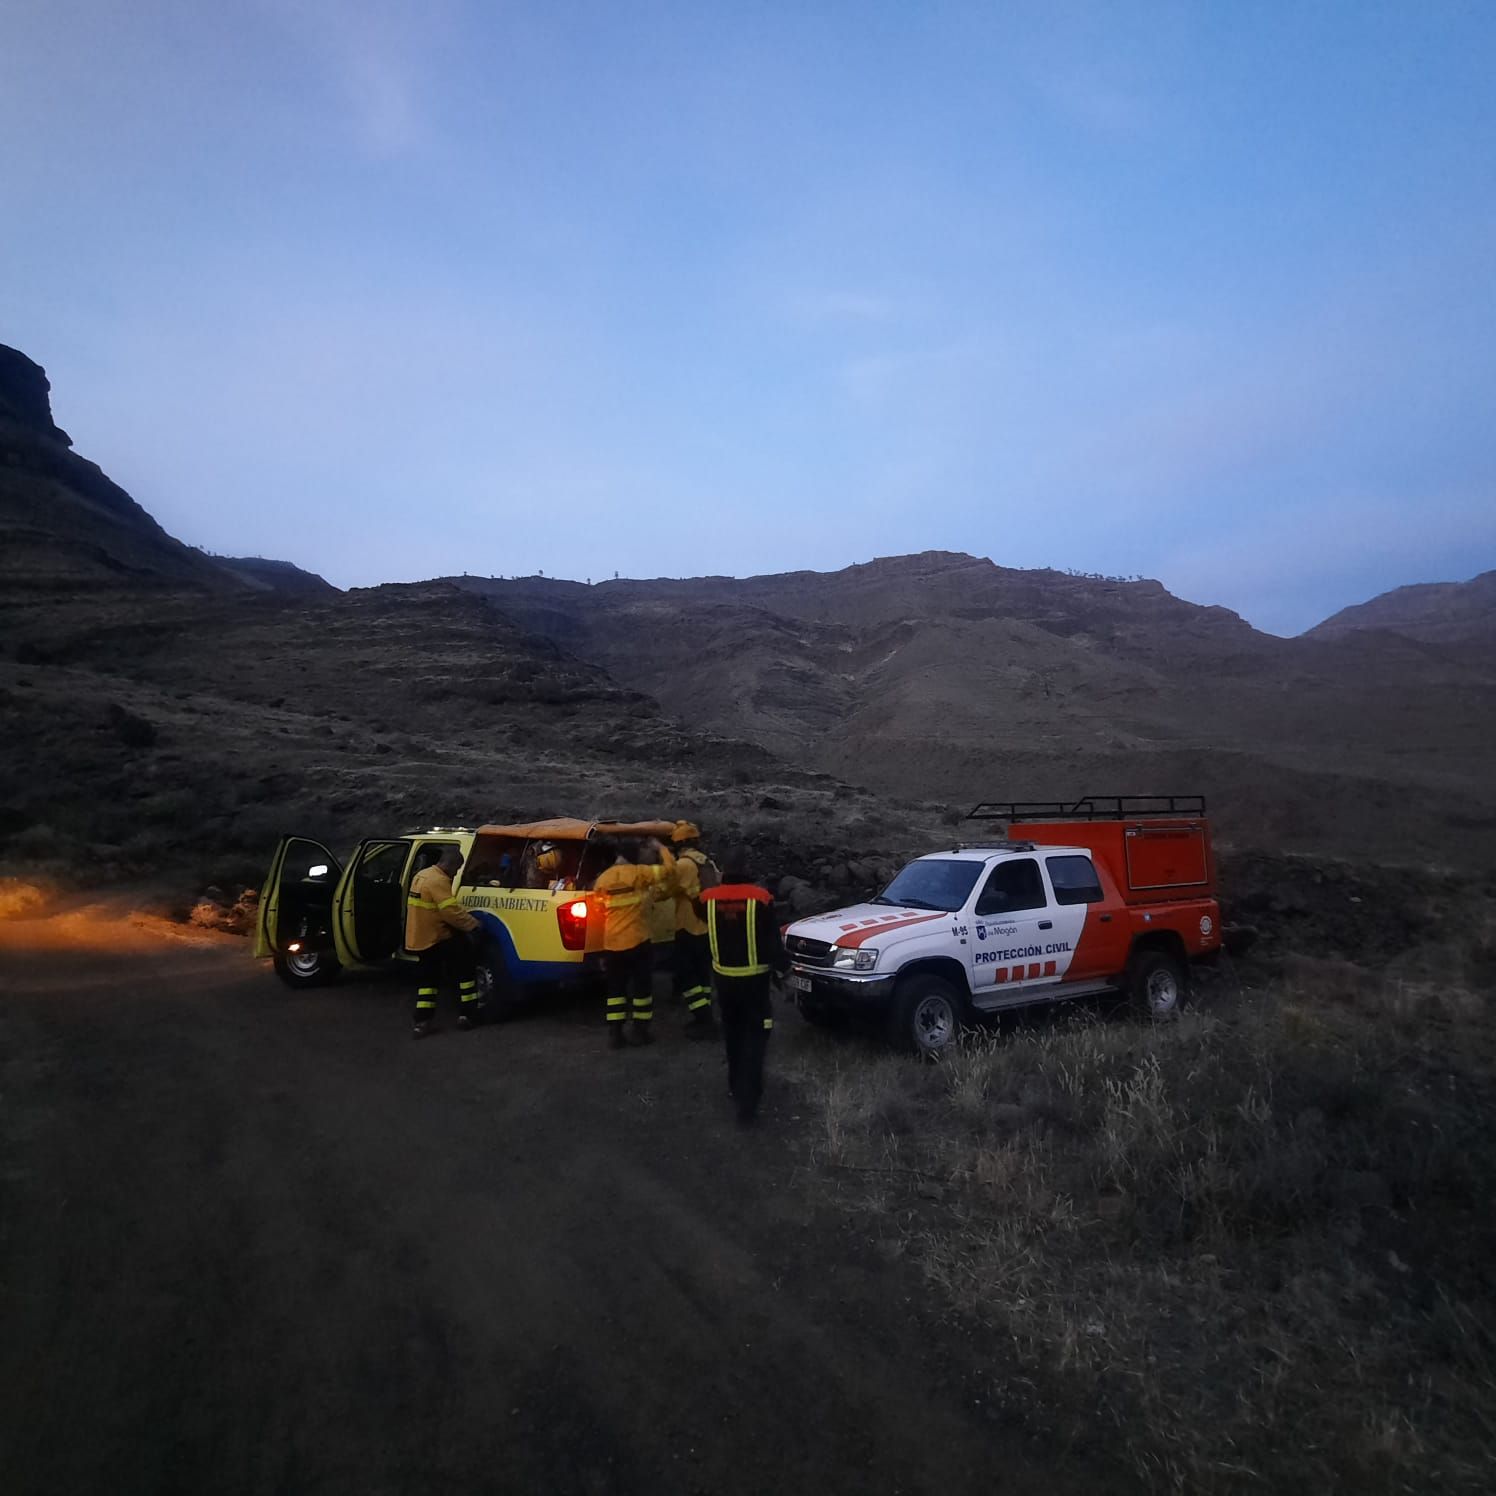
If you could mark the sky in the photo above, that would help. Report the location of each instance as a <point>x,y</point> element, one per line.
<point>1200,292</point>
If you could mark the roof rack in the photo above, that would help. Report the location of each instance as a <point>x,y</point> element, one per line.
<point>1089,808</point>
<point>1006,845</point>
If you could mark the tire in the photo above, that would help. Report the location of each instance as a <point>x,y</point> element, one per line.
<point>927,1017</point>
<point>819,1014</point>
<point>308,968</point>
<point>499,996</point>
<point>1157,984</point>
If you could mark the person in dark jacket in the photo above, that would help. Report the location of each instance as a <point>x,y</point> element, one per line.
<point>747,951</point>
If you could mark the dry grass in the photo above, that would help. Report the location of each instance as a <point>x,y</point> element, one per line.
<point>1255,1243</point>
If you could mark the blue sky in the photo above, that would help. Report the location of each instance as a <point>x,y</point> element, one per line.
<point>1202,292</point>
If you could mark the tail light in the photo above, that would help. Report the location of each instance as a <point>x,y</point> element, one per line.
<point>572,918</point>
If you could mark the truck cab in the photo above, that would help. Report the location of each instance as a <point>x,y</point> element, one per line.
<point>528,885</point>
<point>1104,894</point>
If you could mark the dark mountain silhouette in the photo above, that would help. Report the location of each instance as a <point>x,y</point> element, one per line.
<point>945,675</point>
<point>275,576</point>
<point>1434,612</point>
<point>64,525</point>
<point>179,699</point>
<point>165,709</point>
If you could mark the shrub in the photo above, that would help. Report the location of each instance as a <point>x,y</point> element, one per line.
<point>1256,1237</point>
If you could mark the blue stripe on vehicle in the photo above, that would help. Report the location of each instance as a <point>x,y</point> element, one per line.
<point>520,970</point>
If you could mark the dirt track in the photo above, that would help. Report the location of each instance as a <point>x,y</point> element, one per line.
<point>256,1242</point>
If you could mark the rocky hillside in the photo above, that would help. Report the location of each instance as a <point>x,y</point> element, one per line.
<point>947,676</point>
<point>64,525</point>
<point>167,714</point>
<point>160,703</point>
<point>1459,613</point>
<point>186,730</point>
<point>275,576</point>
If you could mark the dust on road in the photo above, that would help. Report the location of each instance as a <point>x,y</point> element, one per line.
<point>253,1241</point>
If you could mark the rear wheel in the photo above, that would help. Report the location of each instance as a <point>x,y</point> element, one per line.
<point>498,994</point>
<point>927,1016</point>
<point>307,968</point>
<point>1157,984</point>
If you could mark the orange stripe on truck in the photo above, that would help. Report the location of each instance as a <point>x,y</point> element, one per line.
<point>859,937</point>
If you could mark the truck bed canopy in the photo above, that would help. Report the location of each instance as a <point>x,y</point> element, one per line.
<point>570,829</point>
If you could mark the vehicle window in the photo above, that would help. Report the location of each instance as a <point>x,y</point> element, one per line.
<point>306,862</point>
<point>933,883</point>
<point>596,857</point>
<point>382,865</point>
<point>427,854</point>
<point>494,862</point>
<point>1013,887</point>
<point>1074,880</point>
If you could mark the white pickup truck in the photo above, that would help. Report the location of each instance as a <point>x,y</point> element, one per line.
<point>1105,894</point>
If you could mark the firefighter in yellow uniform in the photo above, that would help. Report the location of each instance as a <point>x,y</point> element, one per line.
<point>694,870</point>
<point>627,888</point>
<point>437,930</point>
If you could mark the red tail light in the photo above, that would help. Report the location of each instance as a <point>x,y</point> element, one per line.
<point>572,918</point>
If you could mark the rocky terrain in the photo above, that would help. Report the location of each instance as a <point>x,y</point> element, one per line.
<point>168,713</point>
<point>950,677</point>
<point>1451,613</point>
<point>1051,1229</point>
<point>165,707</point>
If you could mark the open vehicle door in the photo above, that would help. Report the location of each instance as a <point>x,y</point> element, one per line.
<point>368,905</point>
<point>294,924</point>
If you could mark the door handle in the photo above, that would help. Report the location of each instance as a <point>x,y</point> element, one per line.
<point>1106,919</point>
<point>1046,924</point>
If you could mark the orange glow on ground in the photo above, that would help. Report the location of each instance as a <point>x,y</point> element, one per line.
<point>105,923</point>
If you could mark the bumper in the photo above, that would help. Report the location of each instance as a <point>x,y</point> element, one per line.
<point>841,989</point>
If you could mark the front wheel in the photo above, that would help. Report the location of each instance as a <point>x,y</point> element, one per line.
<point>307,968</point>
<point>927,1015</point>
<point>820,1014</point>
<point>1157,984</point>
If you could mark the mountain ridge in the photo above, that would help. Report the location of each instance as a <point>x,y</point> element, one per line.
<point>937,678</point>
<point>1431,612</point>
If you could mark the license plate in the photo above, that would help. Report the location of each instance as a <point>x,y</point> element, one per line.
<point>799,983</point>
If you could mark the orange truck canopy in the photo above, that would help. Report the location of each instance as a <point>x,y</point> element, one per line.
<point>570,829</point>
<point>1157,848</point>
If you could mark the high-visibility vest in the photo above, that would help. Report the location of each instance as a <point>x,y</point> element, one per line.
<point>753,899</point>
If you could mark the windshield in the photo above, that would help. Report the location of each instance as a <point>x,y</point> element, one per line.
<point>938,883</point>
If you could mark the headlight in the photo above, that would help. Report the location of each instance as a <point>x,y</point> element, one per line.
<point>864,959</point>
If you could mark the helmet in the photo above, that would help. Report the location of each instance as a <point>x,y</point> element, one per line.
<point>548,859</point>
<point>685,831</point>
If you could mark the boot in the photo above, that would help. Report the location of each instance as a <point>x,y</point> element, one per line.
<point>641,1035</point>
<point>423,1030</point>
<point>700,1025</point>
<point>615,1036</point>
<point>472,1015</point>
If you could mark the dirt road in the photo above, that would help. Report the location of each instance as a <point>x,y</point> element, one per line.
<point>253,1241</point>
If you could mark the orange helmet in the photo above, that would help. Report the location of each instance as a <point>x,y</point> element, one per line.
<point>685,831</point>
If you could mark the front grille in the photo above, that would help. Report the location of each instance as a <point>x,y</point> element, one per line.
<point>810,952</point>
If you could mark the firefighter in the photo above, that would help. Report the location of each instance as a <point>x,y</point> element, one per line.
<point>747,951</point>
<point>443,935</point>
<point>627,888</point>
<point>694,871</point>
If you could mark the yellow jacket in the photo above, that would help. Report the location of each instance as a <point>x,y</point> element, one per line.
<point>687,890</point>
<point>431,912</point>
<point>626,889</point>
